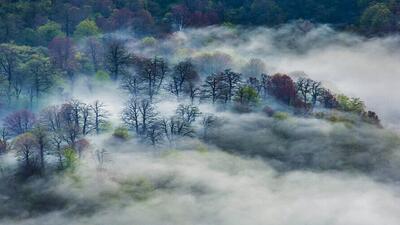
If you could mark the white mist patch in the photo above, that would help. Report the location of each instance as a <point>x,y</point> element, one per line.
<point>212,187</point>
<point>350,64</point>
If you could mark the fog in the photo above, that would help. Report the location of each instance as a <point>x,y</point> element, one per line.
<point>207,186</point>
<point>346,63</point>
<point>253,169</point>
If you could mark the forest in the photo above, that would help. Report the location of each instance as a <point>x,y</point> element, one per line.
<point>199,112</point>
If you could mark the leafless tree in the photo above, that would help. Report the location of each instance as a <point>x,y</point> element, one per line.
<point>27,151</point>
<point>152,73</point>
<point>100,115</point>
<point>131,114</point>
<point>183,75</point>
<point>139,114</point>
<point>19,122</point>
<point>212,87</point>
<point>231,82</point>
<point>94,50</point>
<point>117,58</point>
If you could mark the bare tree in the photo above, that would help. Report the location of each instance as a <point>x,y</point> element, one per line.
<point>154,133</point>
<point>139,114</point>
<point>100,115</point>
<point>19,122</point>
<point>208,121</point>
<point>8,66</point>
<point>181,123</point>
<point>26,148</point>
<point>183,74</point>
<point>265,81</point>
<point>42,141</point>
<point>117,58</point>
<point>94,50</point>
<point>4,140</point>
<point>152,72</point>
<point>212,87</point>
<point>308,89</point>
<point>131,114</point>
<point>86,115</point>
<point>148,114</point>
<point>132,83</point>
<point>303,88</point>
<point>231,82</point>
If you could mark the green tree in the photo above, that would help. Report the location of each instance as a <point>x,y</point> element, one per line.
<point>354,105</point>
<point>377,19</point>
<point>247,96</point>
<point>86,28</point>
<point>48,31</point>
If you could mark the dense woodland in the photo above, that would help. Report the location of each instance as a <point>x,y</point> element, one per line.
<point>36,23</point>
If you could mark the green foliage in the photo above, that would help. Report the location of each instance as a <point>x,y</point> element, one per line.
<point>353,105</point>
<point>86,28</point>
<point>280,116</point>
<point>71,158</point>
<point>121,133</point>
<point>247,96</point>
<point>376,19</point>
<point>48,31</point>
<point>102,76</point>
<point>149,41</point>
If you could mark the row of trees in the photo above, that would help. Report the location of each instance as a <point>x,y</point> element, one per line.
<point>57,130</point>
<point>38,22</point>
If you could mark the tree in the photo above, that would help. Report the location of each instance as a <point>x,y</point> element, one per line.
<point>309,90</point>
<point>231,82</point>
<point>4,140</point>
<point>210,63</point>
<point>183,75</point>
<point>212,87</point>
<point>51,119</point>
<point>155,133</point>
<point>94,50</point>
<point>62,55</point>
<point>26,148</point>
<point>117,58</point>
<point>282,88</point>
<point>131,114</point>
<point>328,100</point>
<point>100,115</point>
<point>254,68</point>
<point>180,15</point>
<point>139,114</point>
<point>86,28</point>
<point>180,125</point>
<point>132,83</point>
<point>266,12</point>
<point>48,32</point>
<point>354,105</point>
<point>41,138</point>
<point>152,73</point>
<point>377,19</point>
<point>247,96</point>
<point>208,122</point>
<point>41,76</point>
<point>8,66</point>
<point>19,122</point>
<point>86,115</point>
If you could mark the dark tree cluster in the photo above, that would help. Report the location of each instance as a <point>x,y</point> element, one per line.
<point>38,22</point>
<point>58,130</point>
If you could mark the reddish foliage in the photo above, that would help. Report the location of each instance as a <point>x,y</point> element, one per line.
<point>283,88</point>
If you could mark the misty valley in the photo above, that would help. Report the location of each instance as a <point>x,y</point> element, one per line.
<point>199,112</point>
